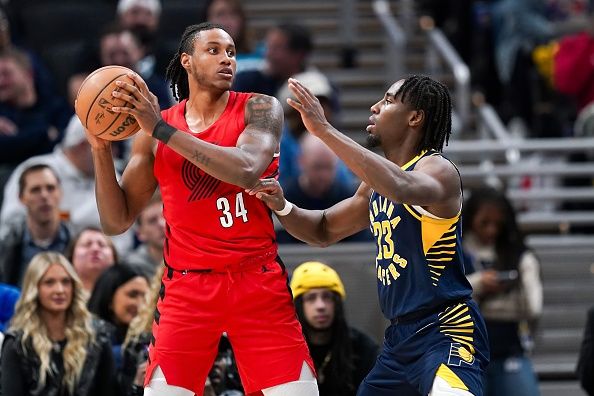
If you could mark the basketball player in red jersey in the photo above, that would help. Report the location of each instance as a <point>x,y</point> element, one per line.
<point>223,273</point>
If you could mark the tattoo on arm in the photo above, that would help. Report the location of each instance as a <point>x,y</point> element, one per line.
<point>265,114</point>
<point>201,158</point>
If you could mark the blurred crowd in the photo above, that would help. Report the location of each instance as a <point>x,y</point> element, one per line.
<point>77,306</point>
<point>532,61</point>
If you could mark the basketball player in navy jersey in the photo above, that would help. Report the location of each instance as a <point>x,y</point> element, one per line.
<point>411,200</point>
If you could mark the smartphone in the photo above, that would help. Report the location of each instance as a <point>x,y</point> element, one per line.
<point>507,276</point>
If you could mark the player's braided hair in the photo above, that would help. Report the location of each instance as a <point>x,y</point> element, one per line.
<point>433,98</point>
<point>175,71</point>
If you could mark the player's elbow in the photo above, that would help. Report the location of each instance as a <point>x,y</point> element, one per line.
<point>248,177</point>
<point>321,243</point>
<point>313,242</point>
<point>112,231</point>
<point>319,239</point>
<point>113,228</point>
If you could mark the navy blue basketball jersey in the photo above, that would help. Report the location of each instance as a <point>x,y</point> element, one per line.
<point>419,257</point>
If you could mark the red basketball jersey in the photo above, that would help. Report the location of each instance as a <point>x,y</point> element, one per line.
<point>211,224</point>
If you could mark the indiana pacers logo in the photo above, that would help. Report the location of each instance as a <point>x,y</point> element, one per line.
<point>201,184</point>
<point>459,355</point>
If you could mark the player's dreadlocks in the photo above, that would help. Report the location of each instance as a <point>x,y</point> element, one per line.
<point>175,71</point>
<point>432,97</point>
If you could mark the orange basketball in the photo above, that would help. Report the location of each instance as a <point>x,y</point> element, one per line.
<point>94,102</point>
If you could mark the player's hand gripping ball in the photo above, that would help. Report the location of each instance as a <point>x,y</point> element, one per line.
<point>94,102</point>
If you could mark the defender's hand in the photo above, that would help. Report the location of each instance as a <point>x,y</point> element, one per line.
<point>270,192</point>
<point>309,107</point>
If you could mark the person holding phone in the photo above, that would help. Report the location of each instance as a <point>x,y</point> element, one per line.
<point>505,277</point>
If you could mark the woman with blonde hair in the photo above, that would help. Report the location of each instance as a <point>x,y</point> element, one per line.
<point>54,347</point>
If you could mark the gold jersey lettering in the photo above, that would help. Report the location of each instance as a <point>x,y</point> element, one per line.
<point>382,230</point>
<point>386,249</point>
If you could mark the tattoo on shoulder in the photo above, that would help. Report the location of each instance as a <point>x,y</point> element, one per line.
<point>201,158</point>
<point>263,112</point>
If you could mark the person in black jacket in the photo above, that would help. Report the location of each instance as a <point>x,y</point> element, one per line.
<point>40,229</point>
<point>117,297</point>
<point>53,346</point>
<point>585,367</point>
<point>342,354</point>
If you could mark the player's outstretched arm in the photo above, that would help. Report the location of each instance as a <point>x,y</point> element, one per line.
<point>241,165</point>
<point>120,204</point>
<point>434,183</point>
<point>318,227</point>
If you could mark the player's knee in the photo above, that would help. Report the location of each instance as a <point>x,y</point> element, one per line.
<point>305,386</point>
<point>442,388</point>
<point>294,388</point>
<point>158,386</point>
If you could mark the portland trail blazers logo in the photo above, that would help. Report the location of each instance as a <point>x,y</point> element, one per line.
<point>200,183</point>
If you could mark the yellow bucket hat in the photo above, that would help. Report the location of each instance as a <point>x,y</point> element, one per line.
<point>313,275</point>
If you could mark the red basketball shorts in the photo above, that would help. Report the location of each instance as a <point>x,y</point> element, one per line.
<point>251,303</point>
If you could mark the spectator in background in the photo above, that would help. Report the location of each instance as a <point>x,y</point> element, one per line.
<point>293,128</point>
<point>122,46</point>
<point>138,338</point>
<point>573,75</point>
<point>73,86</point>
<point>53,346</point>
<point>518,27</point>
<point>41,229</point>
<point>150,231</point>
<point>585,367</point>
<point>119,45</point>
<point>231,15</point>
<point>30,124</point>
<point>139,14</point>
<point>72,162</point>
<point>117,297</point>
<point>143,17</point>
<point>223,378</point>
<point>288,47</point>
<point>91,253</point>
<point>572,68</point>
<point>342,354</point>
<point>43,80</point>
<point>506,281</point>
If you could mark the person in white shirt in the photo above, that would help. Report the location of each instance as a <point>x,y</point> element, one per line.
<point>73,163</point>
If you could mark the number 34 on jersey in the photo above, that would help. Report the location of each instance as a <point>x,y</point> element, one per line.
<point>232,211</point>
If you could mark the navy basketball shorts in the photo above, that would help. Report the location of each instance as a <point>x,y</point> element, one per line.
<point>451,343</point>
